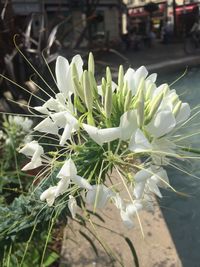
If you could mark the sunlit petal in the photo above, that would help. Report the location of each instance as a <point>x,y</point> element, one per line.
<point>163,122</point>
<point>98,196</point>
<point>139,143</point>
<point>62,68</point>
<point>68,170</point>
<point>128,124</point>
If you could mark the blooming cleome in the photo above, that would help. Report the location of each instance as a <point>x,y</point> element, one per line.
<point>100,130</point>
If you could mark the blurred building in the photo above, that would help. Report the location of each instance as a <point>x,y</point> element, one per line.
<point>107,23</point>
<point>179,13</point>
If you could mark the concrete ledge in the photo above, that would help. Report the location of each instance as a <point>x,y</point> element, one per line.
<point>176,63</point>
<point>155,250</point>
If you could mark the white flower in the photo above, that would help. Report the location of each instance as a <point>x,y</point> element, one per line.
<point>34,150</point>
<point>65,120</point>
<point>68,173</point>
<point>47,126</point>
<point>159,149</point>
<point>148,180</point>
<point>118,201</point>
<point>101,136</point>
<point>128,213</point>
<point>139,143</point>
<point>162,123</point>
<point>184,113</point>
<point>60,120</point>
<point>49,195</point>
<point>133,78</point>
<point>98,196</point>
<point>72,205</point>
<point>52,105</point>
<point>128,124</point>
<point>63,74</point>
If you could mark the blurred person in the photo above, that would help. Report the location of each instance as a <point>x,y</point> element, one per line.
<point>195,30</point>
<point>167,31</point>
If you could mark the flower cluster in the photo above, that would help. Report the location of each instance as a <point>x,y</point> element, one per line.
<point>101,128</point>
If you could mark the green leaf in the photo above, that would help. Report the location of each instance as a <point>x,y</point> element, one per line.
<point>52,257</point>
<point>135,258</point>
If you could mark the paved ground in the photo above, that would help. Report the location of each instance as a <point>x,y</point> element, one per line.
<point>157,58</point>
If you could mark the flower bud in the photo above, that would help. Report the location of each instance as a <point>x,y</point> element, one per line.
<point>165,90</point>
<point>103,86</point>
<point>175,99</point>
<point>128,100</point>
<point>90,119</point>
<point>140,108</point>
<point>125,88</point>
<point>78,104</point>
<point>177,108</point>
<point>120,78</point>
<point>108,75</point>
<point>78,88</point>
<point>91,66</point>
<point>148,91</point>
<point>140,88</point>
<point>74,72</point>
<point>88,96</point>
<point>154,105</point>
<point>93,84</point>
<point>108,100</point>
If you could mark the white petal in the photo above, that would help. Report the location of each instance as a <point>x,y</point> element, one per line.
<point>79,64</point>
<point>34,150</point>
<point>109,134</point>
<point>42,110</point>
<point>81,182</point>
<point>159,89</point>
<point>128,222</point>
<point>154,188</point>
<point>72,205</point>
<point>62,186</point>
<point>184,113</point>
<point>129,77</point>
<point>142,175</point>
<point>139,143</point>
<point>161,178</point>
<point>31,148</point>
<point>47,126</point>
<point>118,201</point>
<point>32,164</point>
<point>152,77</point>
<point>61,118</point>
<point>131,209</point>
<point>67,170</point>
<point>101,136</point>
<point>49,195</point>
<point>139,74</point>
<point>128,124</point>
<point>98,196</point>
<point>62,68</point>
<point>66,134</point>
<point>52,104</point>
<point>139,189</point>
<point>134,207</point>
<point>163,122</point>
